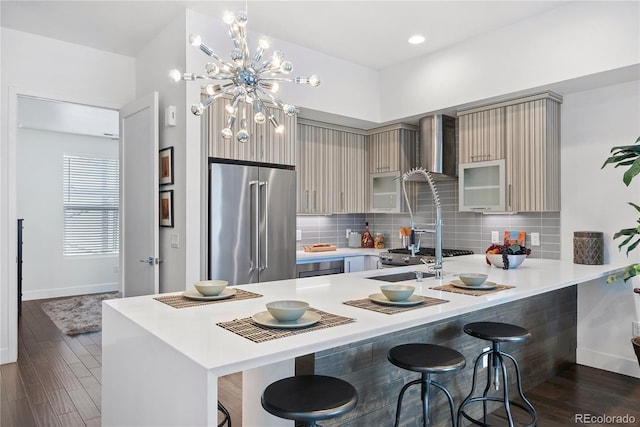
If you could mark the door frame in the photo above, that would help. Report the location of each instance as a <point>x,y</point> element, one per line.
<point>9,216</point>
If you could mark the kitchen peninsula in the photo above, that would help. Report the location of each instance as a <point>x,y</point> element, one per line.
<point>161,364</point>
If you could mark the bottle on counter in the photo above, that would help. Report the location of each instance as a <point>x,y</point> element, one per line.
<point>379,241</point>
<point>367,239</point>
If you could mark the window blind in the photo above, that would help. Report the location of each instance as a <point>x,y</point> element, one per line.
<point>91,205</point>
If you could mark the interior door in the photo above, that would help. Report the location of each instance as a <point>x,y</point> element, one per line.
<point>139,217</point>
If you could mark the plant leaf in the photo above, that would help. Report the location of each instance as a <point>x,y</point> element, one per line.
<point>633,170</point>
<point>633,246</point>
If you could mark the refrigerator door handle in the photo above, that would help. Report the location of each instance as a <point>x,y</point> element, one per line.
<point>266,225</point>
<point>255,262</point>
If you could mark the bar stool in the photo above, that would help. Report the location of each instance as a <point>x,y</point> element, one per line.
<point>226,417</point>
<point>309,398</point>
<point>427,359</point>
<point>497,333</point>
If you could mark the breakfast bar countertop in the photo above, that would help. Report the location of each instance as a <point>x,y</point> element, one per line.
<point>194,333</point>
<point>191,335</point>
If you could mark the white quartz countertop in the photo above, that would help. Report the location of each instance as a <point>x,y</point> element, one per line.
<point>302,256</point>
<point>194,333</point>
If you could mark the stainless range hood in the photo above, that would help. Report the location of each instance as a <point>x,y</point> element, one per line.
<point>438,152</point>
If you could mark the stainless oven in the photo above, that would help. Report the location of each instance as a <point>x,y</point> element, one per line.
<point>319,268</point>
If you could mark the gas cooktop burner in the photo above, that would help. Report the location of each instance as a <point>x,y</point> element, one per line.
<point>432,252</point>
<point>402,256</point>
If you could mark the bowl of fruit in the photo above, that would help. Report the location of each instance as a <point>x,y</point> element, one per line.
<point>506,256</point>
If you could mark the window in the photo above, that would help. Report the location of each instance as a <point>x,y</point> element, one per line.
<point>91,205</point>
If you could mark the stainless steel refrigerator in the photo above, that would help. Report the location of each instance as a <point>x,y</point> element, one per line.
<point>252,220</point>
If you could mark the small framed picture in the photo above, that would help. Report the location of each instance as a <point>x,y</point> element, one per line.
<point>166,208</point>
<point>166,166</point>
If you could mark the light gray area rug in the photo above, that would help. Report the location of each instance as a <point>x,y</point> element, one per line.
<point>77,315</point>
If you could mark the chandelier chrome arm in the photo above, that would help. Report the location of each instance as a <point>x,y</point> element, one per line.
<point>247,82</point>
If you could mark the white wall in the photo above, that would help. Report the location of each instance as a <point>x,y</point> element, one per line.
<point>47,273</point>
<point>594,199</point>
<point>52,69</point>
<point>567,42</point>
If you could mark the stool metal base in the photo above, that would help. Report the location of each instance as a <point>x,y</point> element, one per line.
<point>497,365</point>
<point>426,384</point>
<point>427,359</point>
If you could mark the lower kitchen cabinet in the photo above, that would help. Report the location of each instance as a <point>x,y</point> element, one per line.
<point>354,263</point>
<point>361,263</point>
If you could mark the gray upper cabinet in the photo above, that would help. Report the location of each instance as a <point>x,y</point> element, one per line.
<point>482,136</point>
<point>330,169</point>
<point>343,170</point>
<point>526,134</point>
<point>264,145</point>
<point>349,176</point>
<point>533,156</point>
<point>391,151</point>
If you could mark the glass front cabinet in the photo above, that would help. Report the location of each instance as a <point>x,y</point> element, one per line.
<point>482,186</point>
<point>385,192</point>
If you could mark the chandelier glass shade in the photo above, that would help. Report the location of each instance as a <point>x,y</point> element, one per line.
<point>245,80</point>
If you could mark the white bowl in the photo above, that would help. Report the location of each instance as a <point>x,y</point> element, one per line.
<point>514,260</point>
<point>397,292</point>
<point>473,279</point>
<point>287,311</point>
<point>210,288</point>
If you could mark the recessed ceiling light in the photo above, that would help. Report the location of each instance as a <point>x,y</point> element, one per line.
<point>416,39</point>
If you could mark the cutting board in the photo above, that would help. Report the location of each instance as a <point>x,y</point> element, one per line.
<point>320,247</point>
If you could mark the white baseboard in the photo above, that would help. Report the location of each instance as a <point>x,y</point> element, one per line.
<point>5,357</point>
<point>608,362</point>
<point>73,290</point>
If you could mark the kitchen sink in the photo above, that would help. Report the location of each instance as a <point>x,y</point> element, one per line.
<point>399,277</point>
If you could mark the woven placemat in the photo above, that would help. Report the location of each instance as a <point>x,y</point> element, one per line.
<point>474,292</point>
<point>367,304</point>
<point>179,301</point>
<point>247,328</point>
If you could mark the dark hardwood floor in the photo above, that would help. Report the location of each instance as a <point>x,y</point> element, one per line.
<point>57,382</point>
<point>57,379</point>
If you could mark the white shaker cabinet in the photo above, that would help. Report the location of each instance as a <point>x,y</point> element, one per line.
<point>354,263</point>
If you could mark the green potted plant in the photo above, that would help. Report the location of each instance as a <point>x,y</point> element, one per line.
<point>628,156</point>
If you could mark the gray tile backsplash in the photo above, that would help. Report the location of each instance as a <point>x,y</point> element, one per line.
<point>461,230</point>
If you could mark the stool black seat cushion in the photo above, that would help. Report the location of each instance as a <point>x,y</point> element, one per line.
<point>309,397</point>
<point>426,358</point>
<point>497,332</point>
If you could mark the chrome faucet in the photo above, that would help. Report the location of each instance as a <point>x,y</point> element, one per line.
<point>437,229</point>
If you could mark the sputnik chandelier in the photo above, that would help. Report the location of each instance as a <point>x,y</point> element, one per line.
<point>246,79</point>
